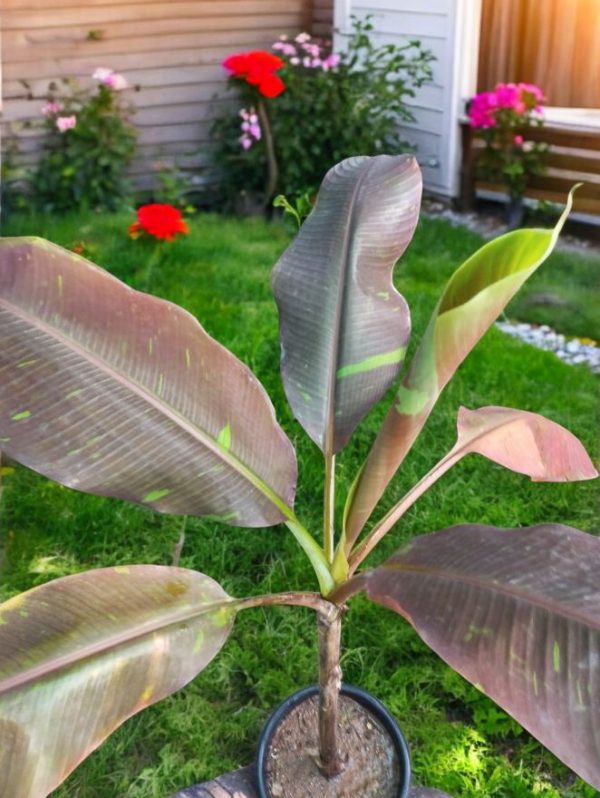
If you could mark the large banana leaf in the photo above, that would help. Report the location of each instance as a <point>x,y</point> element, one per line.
<point>516,612</point>
<point>473,298</point>
<point>115,392</point>
<point>80,655</point>
<point>343,326</point>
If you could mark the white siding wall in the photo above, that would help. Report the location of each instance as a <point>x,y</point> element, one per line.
<point>450,29</point>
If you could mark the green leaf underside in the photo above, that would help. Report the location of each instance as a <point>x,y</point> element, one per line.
<point>80,655</point>
<point>343,326</point>
<point>474,297</point>
<point>517,612</point>
<point>115,392</point>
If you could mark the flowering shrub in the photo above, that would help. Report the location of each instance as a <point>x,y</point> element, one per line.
<point>332,105</point>
<point>503,118</point>
<point>89,143</point>
<point>162,222</point>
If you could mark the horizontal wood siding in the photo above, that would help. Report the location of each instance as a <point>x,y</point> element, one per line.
<point>322,18</point>
<point>170,53</point>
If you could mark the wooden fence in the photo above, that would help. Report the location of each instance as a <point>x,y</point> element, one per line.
<point>574,157</point>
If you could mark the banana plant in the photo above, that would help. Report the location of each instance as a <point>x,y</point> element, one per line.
<point>114,392</point>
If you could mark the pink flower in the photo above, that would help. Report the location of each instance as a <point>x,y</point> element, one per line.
<point>312,49</point>
<point>302,38</point>
<point>64,123</point>
<point>332,60</point>
<point>116,82</point>
<point>52,108</point>
<point>535,91</point>
<point>286,48</point>
<point>110,78</point>
<point>518,140</point>
<point>250,126</point>
<point>101,74</point>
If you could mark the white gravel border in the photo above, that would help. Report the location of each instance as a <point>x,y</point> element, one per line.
<point>572,351</point>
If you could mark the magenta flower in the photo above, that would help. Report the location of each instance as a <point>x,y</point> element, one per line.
<point>482,108</point>
<point>518,140</point>
<point>507,95</point>
<point>488,107</point>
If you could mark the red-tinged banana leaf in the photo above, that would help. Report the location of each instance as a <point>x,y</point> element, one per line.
<point>517,613</point>
<point>473,298</point>
<point>80,655</point>
<point>343,326</point>
<point>524,442</point>
<point>115,392</point>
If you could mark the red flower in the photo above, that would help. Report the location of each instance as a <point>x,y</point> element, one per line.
<point>257,67</point>
<point>160,221</point>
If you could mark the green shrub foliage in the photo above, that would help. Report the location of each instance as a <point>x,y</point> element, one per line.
<point>88,145</point>
<point>334,106</point>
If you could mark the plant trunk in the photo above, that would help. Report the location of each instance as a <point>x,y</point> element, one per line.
<point>330,681</point>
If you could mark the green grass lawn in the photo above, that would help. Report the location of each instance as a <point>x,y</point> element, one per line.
<point>460,741</point>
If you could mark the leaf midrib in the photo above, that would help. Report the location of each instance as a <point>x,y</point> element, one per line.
<point>547,604</point>
<point>328,442</point>
<point>194,431</point>
<point>23,678</point>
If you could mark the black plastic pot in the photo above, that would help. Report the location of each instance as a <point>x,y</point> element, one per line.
<point>369,702</point>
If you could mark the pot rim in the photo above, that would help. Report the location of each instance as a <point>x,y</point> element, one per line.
<point>363,697</point>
